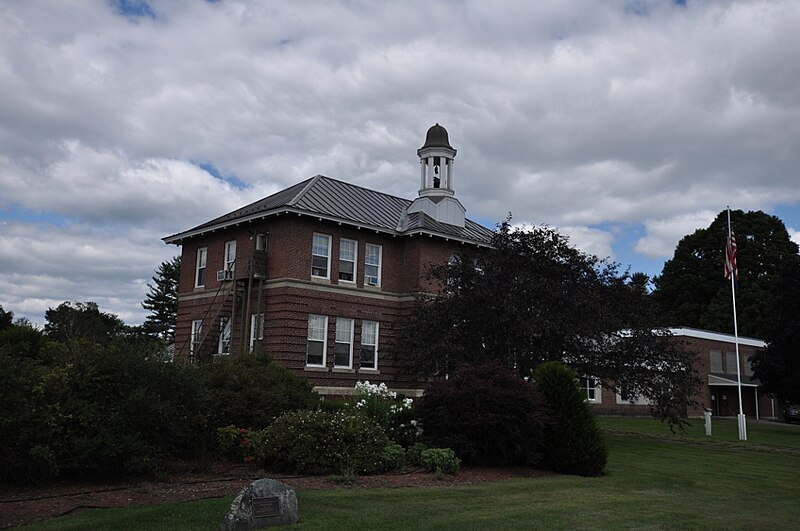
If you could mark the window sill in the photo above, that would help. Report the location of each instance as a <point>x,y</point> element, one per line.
<point>372,288</point>
<point>321,280</point>
<point>343,369</point>
<point>371,371</point>
<point>312,368</point>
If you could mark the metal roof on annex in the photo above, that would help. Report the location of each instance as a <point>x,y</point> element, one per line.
<point>334,200</point>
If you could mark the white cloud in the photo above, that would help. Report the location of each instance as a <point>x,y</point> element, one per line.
<point>663,235</point>
<point>574,114</point>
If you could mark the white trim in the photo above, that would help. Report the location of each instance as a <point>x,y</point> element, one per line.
<point>719,380</point>
<point>201,262</point>
<point>349,342</point>
<point>716,336</point>
<point>355,260</point>
<point>316,340</point>
<point>327,257</point>
<point>375,345</point>
<point>379,265</point>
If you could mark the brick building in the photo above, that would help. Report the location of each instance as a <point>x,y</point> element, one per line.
<point>319,275</point>
<point>715,363</point>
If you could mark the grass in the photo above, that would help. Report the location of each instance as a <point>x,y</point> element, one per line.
<point>654,480</point>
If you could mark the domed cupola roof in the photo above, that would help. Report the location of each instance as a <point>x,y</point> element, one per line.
<point>437,137</point>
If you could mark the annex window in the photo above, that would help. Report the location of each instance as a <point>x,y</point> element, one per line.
<point>372,264</point>
<point>343,349</point>
<point>369,345</point>
<point>224,345</point>
<point>730,362</point>
<point>321,256</point>
<point>257,332</point>
<point>715,361</point>
<point>230,255</point>
<point>317,340</point>
<point>200,268</point>
<point>591,388</point>
<point>261,241</point>
<point>194,340</point>
<point>348,251</point>
<point>628,395</point>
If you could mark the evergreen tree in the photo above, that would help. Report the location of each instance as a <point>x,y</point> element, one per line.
<point>162,300</point>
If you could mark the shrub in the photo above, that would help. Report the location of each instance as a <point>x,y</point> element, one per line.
<point>487,415</point>
<point>393,457</point>
<point>101,410</point>
<point>395,416</point>
<point>251,391</point>
<point>319,442</point>
<point>574,443</point>
<point>413,453</point>
<point>440,460</point>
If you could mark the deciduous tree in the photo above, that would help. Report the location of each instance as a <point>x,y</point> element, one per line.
<point>533,298</point>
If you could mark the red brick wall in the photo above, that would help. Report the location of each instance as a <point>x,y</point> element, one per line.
<point>290,294</point>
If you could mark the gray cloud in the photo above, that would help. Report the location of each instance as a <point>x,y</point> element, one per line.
<point>579,115</point>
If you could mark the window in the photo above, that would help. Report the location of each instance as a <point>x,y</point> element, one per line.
<point>715,361</point>
<point>748,367</point>
<point>372,265</point>
<point>628,395</point>
<point>321,256</point>
<point>261,241</point>
<point>200,268</point>
<point>369,345</point>
<point>730,362</point>
<point>194,341</point>
<point>256,332</point>
<point>224,346</point>
<point>317,340</point>
<point>348,249</point>
<point>230,255</point>
<point>343,349</point>
<point>591,387</point>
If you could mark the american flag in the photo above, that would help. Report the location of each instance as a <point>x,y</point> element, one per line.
<point>730,257</point>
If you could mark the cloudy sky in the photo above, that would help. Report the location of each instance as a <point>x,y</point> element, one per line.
<point>626,124</point>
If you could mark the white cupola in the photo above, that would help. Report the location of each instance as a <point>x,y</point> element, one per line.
<point>436,188</point>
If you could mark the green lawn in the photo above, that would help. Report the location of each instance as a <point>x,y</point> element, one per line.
<point>654,480</point>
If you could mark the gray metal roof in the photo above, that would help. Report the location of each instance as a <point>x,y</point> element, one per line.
<point>346,203</point>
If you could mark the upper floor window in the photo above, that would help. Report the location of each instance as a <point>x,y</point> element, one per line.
<point>200,267</point>
<point>715,361</point>
<point>317,340</point>
<point>348,250</point>
<point>591,387</point>
<point>261,241</point>
<point>369,345</point>
<point>343,349</point>
<point>372,265</point>
<point>321,256</point>
<point>730,362</point>
<point>224,346</point>
<point>230,255</point>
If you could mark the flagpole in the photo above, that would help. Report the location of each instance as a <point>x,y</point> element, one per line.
<point>733,273</point>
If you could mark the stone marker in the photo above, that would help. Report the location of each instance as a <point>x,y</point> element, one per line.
<point>264,503</point>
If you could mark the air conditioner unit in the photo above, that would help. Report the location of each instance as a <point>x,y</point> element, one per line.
<point>224,274</point>
<point>372,281</point>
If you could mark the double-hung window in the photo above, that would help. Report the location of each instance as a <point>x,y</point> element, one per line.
<point>715,361</point>
<point>730,362</point>
<point>200,267</point>
<point>317,340</point>
<point>230,255</point>
<point>369,345</point>
<point>343,349</point>
<point>591,388</point>
<point>372,264</point>
<point>256,332</point>
<point>224,346</point>
<point>321,256</point>
<point>348,252</point>
<point>194,340</point>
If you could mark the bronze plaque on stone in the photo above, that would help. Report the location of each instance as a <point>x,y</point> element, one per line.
<point>266,507</point>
